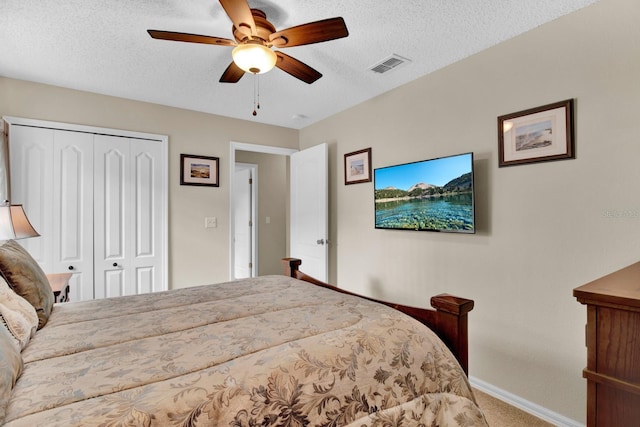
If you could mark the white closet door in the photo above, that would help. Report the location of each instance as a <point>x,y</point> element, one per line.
<point>112,224</point>
<point>128,209</point>
<point>147,209</point>
<point>73,210</point>
<point>31,151</point>
<point>98,201</point>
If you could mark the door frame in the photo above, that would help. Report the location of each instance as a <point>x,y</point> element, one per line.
<point>255,148</point>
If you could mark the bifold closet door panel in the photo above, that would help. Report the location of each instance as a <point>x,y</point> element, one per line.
<point>112,213</point>
<point>147,175</point>
<point>52,176</point>
<point>73,210</point>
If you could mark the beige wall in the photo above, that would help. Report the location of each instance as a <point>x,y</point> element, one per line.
<point>272,203</point>
<point>196,255</point>
<point>543,228</point>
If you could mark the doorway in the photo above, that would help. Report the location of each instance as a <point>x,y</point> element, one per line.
<point>262,224</point>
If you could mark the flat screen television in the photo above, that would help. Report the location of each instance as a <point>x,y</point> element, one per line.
<point>429,195</point>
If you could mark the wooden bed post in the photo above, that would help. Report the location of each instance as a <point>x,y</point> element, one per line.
<point>449,320</point>
<point>452,325</point>
<point>291,266</point>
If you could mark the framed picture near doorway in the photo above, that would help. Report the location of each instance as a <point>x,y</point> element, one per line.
<point>199,170</point>
<point>357,167</point>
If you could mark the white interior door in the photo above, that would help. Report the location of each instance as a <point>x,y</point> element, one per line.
<point>243,221</point>
<point>309,210</point>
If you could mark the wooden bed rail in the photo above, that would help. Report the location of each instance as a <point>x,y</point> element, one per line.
<point>448,320</point>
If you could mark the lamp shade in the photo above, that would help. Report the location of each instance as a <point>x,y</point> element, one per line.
<point>254,58</point>
<point>14,223</point>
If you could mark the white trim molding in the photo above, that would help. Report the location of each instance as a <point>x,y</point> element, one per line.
<point>524,405</point>
<point>85,128</point>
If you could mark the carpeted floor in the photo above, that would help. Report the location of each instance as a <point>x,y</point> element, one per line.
<point>500,414</point>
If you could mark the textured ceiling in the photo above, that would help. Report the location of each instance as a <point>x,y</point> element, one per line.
<point>102,46</point>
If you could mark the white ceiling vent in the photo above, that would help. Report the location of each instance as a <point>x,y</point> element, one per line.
<point>389,63</point>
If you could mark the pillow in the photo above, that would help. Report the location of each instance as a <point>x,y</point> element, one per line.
<point>26,278</point>
<point>10,368</point>
<point>18,315</point>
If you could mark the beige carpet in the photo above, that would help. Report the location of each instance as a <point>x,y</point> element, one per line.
<point>500,414</point>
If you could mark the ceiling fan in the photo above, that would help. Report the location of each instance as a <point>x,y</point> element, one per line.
<point>255,37</point>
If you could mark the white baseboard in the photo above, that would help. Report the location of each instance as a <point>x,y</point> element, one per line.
<point>523,404</point>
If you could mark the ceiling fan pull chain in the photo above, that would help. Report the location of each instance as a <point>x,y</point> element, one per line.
<point>255,77</point>
<point>256,94</point>
<point>258,83</point>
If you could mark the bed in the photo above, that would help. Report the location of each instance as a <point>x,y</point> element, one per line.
<point>269,351</point>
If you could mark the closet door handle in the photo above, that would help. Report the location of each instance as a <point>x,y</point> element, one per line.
<point>71,267</point>
<point>115,264</point>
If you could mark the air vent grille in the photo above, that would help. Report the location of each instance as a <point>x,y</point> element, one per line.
<point>389,64</point>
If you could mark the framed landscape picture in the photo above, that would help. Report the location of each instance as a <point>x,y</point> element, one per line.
<point>537,134</point>
<point>199,170</point>
<point>357,167</point>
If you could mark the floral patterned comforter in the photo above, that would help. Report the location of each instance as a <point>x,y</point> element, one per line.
<point>270,351</point>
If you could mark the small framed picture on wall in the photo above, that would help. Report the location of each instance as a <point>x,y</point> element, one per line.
<point>357,167</point>
<point>199,170</point>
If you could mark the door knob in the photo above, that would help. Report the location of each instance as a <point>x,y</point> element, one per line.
<point>115,264</point>
<point>320,241</point>
<point>71,267</point>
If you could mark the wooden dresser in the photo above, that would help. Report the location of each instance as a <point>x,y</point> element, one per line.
<point>613,348</point>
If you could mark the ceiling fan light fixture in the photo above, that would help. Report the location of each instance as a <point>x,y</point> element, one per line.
<point>254,58</point>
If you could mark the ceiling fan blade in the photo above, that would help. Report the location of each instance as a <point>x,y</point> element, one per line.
<point>232,74</point>
<point>297,69</point>
<point>313,32</point>
<point>190,38</point>
<point>240,14</point>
